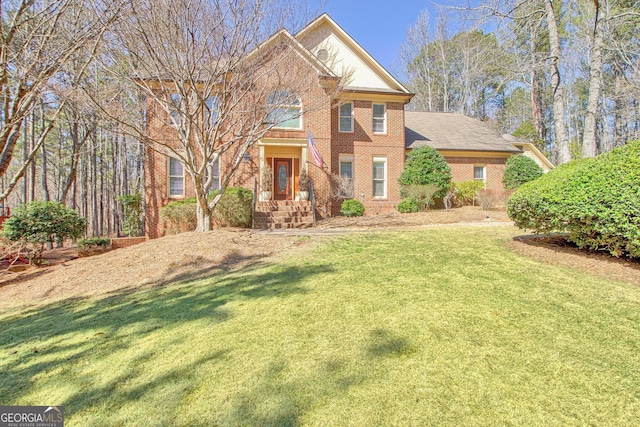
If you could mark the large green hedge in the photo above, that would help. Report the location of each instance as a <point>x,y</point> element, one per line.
<point>596,201</point>
<point>425,166</point>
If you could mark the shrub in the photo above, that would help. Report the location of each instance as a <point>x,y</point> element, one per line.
<point>465,191</point>
<point>596,201</point>
<point>422,194</point>
<point>234,208</point>
<point>519,170</point>
<point>303,180</point>
<point>180,216</point>
<point>408,206</point>
<point>132,205</point>
<point>42,222</point>
<point>94,242</point>
<point>487,198</point>
<point>352,207</point>
<point>425,166</point>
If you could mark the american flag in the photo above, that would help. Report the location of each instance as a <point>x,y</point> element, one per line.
<point>314,150</point>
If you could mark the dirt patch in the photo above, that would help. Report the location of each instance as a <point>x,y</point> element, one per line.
<point>556,250</point>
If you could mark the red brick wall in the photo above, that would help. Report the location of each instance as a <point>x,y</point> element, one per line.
<point>462,169</point>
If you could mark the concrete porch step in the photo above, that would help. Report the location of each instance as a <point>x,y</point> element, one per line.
<point>282,214</point>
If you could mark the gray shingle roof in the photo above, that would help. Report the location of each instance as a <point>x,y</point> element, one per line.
<point>452,131</point>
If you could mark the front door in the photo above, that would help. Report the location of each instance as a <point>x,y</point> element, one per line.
<point>283,178</point>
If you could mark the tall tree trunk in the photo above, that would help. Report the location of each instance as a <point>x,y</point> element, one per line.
<point>562,141</point>
<point>25,156</point>
<point>589,146</point>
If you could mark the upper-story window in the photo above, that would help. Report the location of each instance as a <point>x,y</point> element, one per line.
<point>346,117</point>
<point>284,109</point>
<point>175,102</point>
<point>212,108</point>
<point>379,118</point>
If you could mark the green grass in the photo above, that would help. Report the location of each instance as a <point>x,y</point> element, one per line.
<point>439,327</point>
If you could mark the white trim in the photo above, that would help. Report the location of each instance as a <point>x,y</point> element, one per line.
<point>379,160</point>
<point>484,173</point>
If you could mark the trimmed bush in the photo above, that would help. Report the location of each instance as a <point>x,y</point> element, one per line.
<point>352,207</point>
<point>234,208</point>
<point>408,206</point>
<point>520,169</point>
<point>422,194</point>
<point>425,166</point>
<point>465,191</point>
<point>180,216</point>
<point>596,201</point>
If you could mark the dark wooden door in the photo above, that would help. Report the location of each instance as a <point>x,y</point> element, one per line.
<point>283,178</point>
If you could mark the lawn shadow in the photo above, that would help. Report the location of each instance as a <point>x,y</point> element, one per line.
<point>36,340</point>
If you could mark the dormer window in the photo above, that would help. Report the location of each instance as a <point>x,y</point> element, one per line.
<point>284,110</point>
<point>212,107</point>
<point>175,102</point>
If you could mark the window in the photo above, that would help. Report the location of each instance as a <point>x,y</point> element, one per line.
<point>174,109</point>
<point>284,110</point>
<point>215,185</point>
<point>479,173</point>
<point>176,178</point>
<point>346,176</point>
<point>379,118</point>
<point>346,117</point>
<point>212,106</point>
<point>380,177</point>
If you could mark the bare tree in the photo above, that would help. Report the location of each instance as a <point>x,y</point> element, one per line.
<point>217,76</point>
<point>37,39</point>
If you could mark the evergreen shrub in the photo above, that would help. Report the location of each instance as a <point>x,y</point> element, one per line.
<point>596,201</point>
<point>520,169</point>
<point>425,166</point>
<point>352,207</point>
<point>408,206</point>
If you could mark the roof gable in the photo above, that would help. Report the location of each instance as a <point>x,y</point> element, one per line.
<point>346,58</point>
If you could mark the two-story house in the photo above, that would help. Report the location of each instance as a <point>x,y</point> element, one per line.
<point>361,132</point>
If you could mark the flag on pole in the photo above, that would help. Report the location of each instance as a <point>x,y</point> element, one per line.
<point>314,150</point>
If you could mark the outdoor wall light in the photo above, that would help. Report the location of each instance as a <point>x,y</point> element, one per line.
<point>246,157</point>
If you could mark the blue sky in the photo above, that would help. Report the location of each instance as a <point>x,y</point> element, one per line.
<point>379,26</point>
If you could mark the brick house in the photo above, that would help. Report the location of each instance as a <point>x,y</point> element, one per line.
<point>362,132</point>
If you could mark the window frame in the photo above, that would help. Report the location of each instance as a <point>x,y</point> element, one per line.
<point>211,109</point>
<point>347,158</point>
<point>350,117</point>
<point>383,160</point>
<point>383,118</point>
<point>215,185</point>
<point>285,108</point>
<point>171,177</point>
<point>484,173</point>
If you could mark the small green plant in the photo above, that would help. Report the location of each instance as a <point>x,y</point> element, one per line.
<point>423,194</point>
<point>94,242</point>
<point>352,207</point>
<point>408,206</point>
<point>520,169</point>
<point>425,166</point>
<point>132,205</point>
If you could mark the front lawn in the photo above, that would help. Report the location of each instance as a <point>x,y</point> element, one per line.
<point>439,327</point>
